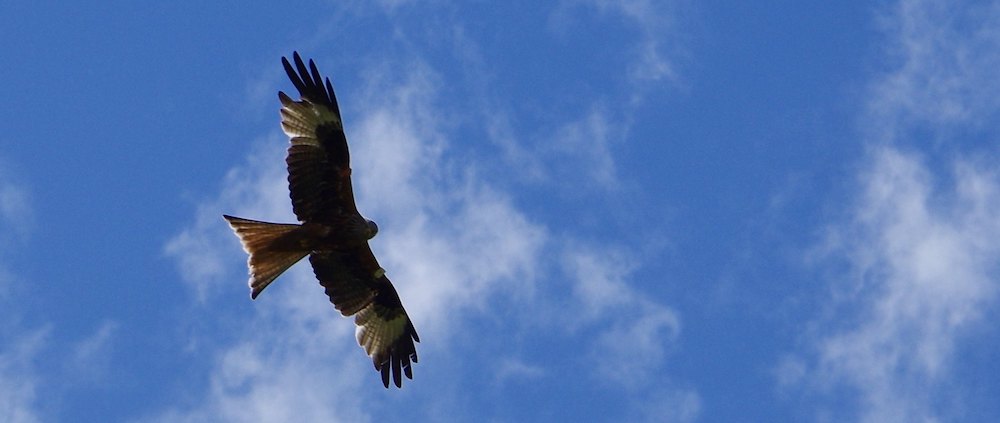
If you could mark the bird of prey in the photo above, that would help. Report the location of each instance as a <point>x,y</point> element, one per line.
<point>330,231</point>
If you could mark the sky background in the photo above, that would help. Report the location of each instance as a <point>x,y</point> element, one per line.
<point>607,210</point>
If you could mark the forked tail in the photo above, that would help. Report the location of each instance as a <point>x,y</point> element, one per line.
<point>273,248</point>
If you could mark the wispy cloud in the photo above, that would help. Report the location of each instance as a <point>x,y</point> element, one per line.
<point>90,358</point>
<point>457,238</point>
<point>549,144</point>
<point>667,406</point>
<point>920,241</point>
<point>587,141</point>
<point>18,348</point>
<point>652,58</point>
<point>204,250</point>
<point>18,377</point>
<point>633,336</point>
<point>15,206</point>
<point>944,57</point>
<point>35,373</point>
<point>924,266</point>
<point>571,150</point>
<point>294,364</point>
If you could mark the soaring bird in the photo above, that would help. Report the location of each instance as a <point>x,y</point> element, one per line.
<point>330,231</point>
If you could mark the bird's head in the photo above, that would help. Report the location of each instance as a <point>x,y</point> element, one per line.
<point>372,229</point>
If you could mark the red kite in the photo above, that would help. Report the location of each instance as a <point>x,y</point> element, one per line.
<point>331,231</point>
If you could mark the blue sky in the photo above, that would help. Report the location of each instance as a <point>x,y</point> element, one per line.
<point>617,210</point>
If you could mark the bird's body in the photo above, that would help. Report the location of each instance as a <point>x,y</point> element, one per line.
<point>331,230</point>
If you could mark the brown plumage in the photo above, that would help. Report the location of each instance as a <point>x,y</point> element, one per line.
<point>331,231</point>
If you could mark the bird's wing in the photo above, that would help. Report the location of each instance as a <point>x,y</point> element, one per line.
<point>357,286</point>
<point>319,170</point>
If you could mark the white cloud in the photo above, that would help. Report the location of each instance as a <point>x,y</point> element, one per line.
<point>636,344</point>
<point>299,369</point>
<point>668,406</point>
<point>920,242</point>
<point>18,379</point>
<point>585,145</point>
<point>205,250</point>
<point>571,151</point>
<point>653,19</point>
<point>599,280</point>
<point>634,333</point>
<point>201,263</point>
<point>18,349</point>
<point>944,56</point>
<point>512,368</point>
<point>35,376</point>
<point>452,237</point>
<point>924,266</point>
<point>13,204</point>
<point>653,23</point>
<point>15,207</point>
<point>90,358</point>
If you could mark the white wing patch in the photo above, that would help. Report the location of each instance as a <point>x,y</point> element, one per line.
<point>299,119</point>
<point>375,334</point>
